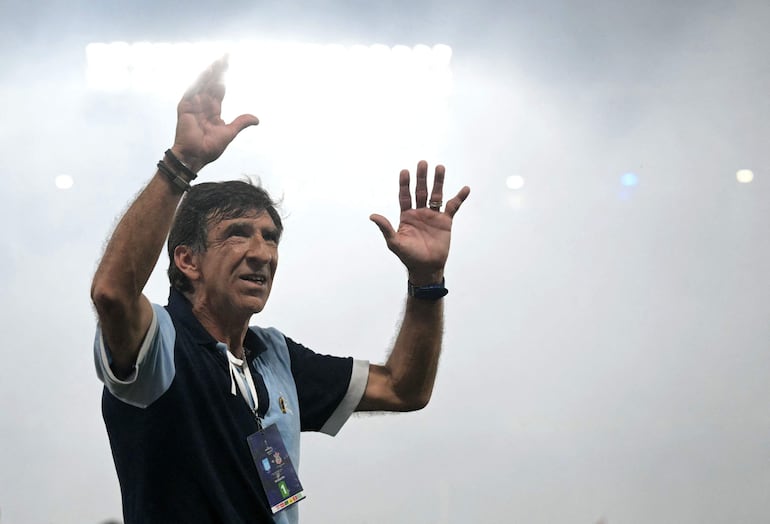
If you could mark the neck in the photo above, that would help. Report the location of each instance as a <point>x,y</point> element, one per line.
<point>227,329</point>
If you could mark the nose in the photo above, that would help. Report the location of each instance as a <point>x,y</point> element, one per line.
<point>260,251</point>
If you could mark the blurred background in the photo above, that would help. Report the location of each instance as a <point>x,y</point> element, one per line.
<point>607,326</point>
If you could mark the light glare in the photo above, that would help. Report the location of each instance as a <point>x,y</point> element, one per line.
<point>629,179</point>
<point>64,182</point>
<point>368,101</point>
<point>744,176</point>
<point>515,182</point>
<point>162,66</point>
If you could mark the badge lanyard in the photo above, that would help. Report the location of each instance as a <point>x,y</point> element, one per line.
<point>271,459</point>
<point>274,465</point>
<point>246,387</point>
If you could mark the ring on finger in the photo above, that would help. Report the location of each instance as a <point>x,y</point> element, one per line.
<point>435,205</point>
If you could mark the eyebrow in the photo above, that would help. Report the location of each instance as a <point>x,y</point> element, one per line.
<point>237,227</point>
<point>248,228</point>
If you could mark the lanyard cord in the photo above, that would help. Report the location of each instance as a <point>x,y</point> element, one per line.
<point>247,388</point>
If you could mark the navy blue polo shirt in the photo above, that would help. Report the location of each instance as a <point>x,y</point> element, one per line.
<point>178,431</point>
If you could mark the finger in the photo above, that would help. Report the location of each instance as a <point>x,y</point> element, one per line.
<point>217,70</point>
<point>404,196</point>
<point>215,86</point>
<point>242,122</point>
<point>384,224</point>
<point>454,205</point>
<point>438,185</point>
<point>210,76</point>
<point>212,108</point>
<point>216,90</point>
<point>421,188</point>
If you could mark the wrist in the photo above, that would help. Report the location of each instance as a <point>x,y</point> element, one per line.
<point>177,172</point>
<point>428,292</point>
<point>417,278</point>
<point>191,162</point>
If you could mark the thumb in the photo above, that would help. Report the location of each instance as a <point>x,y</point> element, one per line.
<point>384,225</point>
<point>242,122</point>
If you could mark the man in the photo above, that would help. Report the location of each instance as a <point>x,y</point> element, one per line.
<point>203,412</point>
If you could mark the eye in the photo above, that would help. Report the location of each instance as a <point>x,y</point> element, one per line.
<point>270,236</point>
<point>238,231</point>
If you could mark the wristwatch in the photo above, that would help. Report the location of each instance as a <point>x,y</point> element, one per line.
<point>429,292</point>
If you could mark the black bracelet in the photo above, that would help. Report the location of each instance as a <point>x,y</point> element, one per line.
<point>181,166</point>
<point>175,179</point>
<point>429,292</point>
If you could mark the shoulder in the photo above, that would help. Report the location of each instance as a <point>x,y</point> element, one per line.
<point>270,344</point>
<point>269,335</point>
<point>154,369</point>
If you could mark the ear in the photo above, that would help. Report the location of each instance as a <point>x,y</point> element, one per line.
<point>188,262</point>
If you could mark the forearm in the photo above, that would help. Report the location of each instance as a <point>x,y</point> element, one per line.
<point>405,381</point>
<point>135,245</point>
<point>414,360</point>
<point>421,242</point>
<point>128,261</point>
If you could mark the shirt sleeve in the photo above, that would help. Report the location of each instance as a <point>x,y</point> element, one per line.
<point>328,388</point>
<point>154,369</point>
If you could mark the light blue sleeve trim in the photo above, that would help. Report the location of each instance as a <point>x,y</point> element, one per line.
<point>154,369</point>
<point>359,376</point>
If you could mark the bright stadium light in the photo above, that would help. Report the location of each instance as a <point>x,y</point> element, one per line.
<point>744,176</point>
<point>153,66</point>
<point>515,182</point>
<point>363,104</point>
<point>629,179</point>
<point>64,181</point>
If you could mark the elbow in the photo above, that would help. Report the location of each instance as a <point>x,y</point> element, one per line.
<point>415,402</point>
<point>412,396</point>
<point>107,300</point>
<point>101,296</point>
<point>417,406</point>
<point>389,391</point>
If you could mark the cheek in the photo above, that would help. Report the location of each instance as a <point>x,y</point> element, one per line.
<point>234,252</point>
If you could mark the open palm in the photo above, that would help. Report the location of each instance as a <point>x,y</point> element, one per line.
<point>423,236</point>
<point>201,134</point>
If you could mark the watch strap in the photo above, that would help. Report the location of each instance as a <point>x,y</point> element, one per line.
<point>429,292</point>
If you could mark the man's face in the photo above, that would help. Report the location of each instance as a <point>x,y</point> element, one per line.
<point>236,271</point>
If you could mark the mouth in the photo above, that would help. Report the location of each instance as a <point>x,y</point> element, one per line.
<point>255,278</point>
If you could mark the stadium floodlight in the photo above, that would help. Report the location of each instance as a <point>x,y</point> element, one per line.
<point>367,104</point>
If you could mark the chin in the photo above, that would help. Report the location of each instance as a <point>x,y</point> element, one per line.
<point>257,307</point>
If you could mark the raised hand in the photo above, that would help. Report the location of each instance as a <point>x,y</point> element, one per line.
<point>201,134</point>
<point>422,239</point>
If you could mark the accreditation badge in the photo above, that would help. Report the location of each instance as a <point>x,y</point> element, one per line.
<point>276,472</point>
